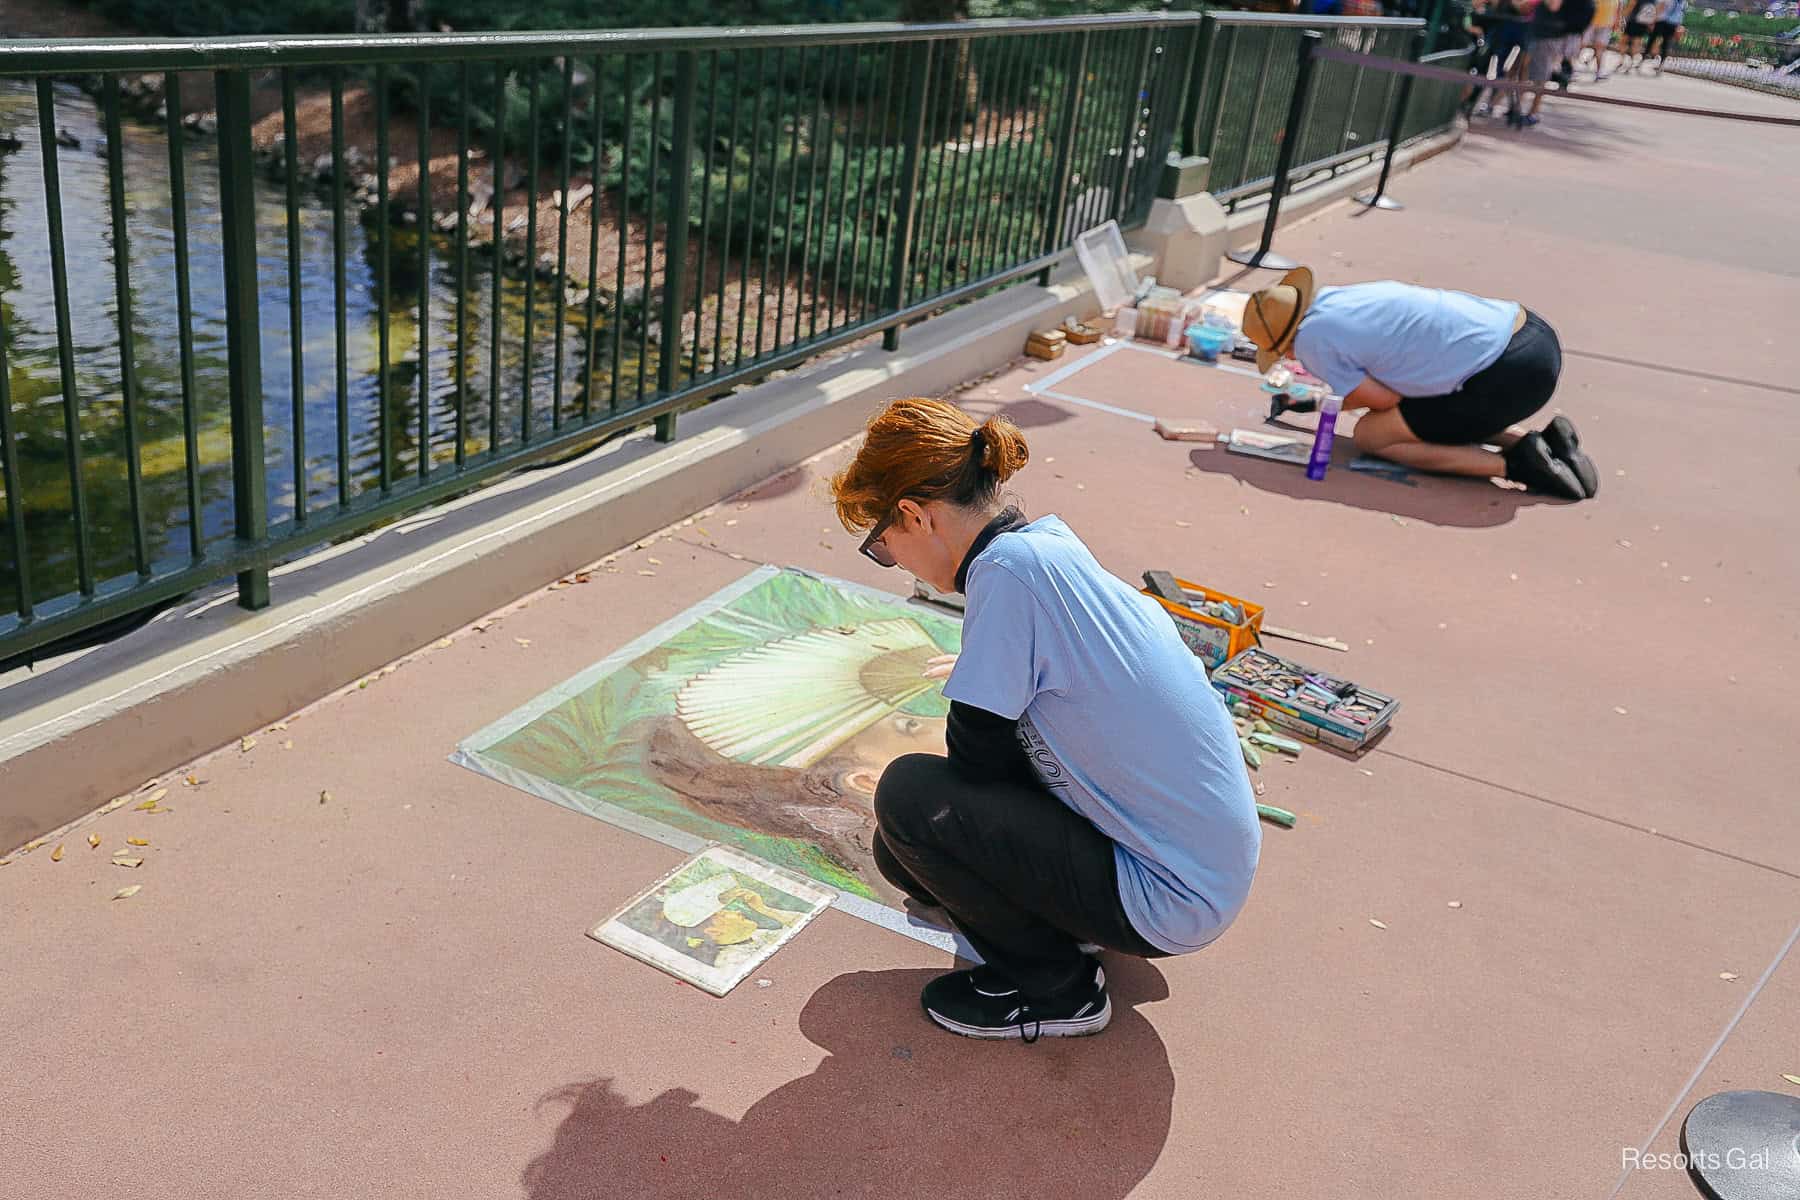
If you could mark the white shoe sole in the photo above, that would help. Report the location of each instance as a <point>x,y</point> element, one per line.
<point>1071,1027</point>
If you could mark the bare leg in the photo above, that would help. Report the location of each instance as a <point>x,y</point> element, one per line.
<point>1385,435</point>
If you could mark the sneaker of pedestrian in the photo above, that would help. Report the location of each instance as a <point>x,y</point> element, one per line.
<point>1530,462</point>
<point>1565,443</point>
<point>984,1003</point>
<point>1527,122</point>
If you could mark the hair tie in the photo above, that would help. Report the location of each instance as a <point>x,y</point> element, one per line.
<point>976,440</point>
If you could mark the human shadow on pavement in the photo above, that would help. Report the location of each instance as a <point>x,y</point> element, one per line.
<point>898,1109</point>
<point>1431,500</point>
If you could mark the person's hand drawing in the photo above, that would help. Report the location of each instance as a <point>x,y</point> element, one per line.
<point>940,666</point>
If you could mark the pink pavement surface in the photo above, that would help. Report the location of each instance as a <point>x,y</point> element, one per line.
<point>387,991</point>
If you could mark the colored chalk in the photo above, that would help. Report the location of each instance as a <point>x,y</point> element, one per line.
<point>1280,816</point>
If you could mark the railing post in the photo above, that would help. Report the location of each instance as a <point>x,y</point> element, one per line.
<point>243,325</point>
<point>1199,75</point>
<point>1379,197</point>
<point>1434,20</point>
<point>1128,131</point>
<point>681,161</point>
<point>1065,150</point>
<point>1284,161</point>
<point>918,77</point>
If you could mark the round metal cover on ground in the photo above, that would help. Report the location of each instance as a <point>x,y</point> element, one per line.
<point>1744,1146</point>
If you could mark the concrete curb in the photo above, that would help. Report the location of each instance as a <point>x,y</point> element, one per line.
<point>207,672</point>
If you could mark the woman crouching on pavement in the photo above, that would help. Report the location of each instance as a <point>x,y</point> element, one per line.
<point>1094,793</point>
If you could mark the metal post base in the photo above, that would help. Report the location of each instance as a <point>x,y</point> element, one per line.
<point>1384,203</point>
<point>1267,260</point>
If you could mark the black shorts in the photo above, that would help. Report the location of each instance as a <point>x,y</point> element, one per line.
<point>1634,30</point>
<point>1661,34</point>
<point>1508,390</point>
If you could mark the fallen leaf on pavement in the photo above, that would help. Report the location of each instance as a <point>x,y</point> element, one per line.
<point>192,781</point>
<point>288,745</point>
<point>655,562</point>
<point>584,576</point>
<point>94,841</point>
<point>1376,924</point>
<point>126,861</point>
<point>1456,904</point>
<point>247,745</point>
<point>127,892</point>
<point>33,844</point>
<point>1728,976</point>
<point>146,806</point>
<point>1184,524</point>
<point>278,726</point>
<point>731,522</point>
<point>137,841</point>
<point>324,797</point>
<point>56,854</point>
<point>443,643</point>
<point>1793,1079</point>
<point>523,641</point>
<point>159,793</point>
<point>646,572</point>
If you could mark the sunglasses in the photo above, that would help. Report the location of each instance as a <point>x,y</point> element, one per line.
<point>872,547</point>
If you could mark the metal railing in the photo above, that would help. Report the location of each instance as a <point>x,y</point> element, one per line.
<point>1765,64</point>
<point>758,196</point>
<point>1247,69</point>
<point>219,352</point>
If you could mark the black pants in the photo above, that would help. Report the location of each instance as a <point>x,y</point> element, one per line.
<point>1025,878</point>
<point>1511,388</point>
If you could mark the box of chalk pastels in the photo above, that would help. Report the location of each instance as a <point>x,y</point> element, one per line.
<point>1214,625</point>
<point>1317,706</point>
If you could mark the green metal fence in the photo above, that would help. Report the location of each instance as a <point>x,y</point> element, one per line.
<point>1248,63</point>
<point>218,351</point>
<point>1434,104</point>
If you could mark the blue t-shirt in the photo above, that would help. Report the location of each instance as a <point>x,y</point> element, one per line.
<point>1416,341</point>
<point>1120,721</point>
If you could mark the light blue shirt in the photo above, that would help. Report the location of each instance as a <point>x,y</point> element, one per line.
<point>1121,722</point>
<point>1416,341</point>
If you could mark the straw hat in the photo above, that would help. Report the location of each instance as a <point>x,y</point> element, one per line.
<point>1272,316</point>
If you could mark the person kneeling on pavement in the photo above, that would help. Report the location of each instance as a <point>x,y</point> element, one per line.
<point>1441,376</point>
<point>1093,794</point>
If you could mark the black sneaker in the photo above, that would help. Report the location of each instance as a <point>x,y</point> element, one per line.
<point>1530,462</point>
<point>1565,443</point>
<point>982,1003</point>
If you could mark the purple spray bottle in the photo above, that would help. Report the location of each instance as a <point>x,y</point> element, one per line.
<point>1321,450</point>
